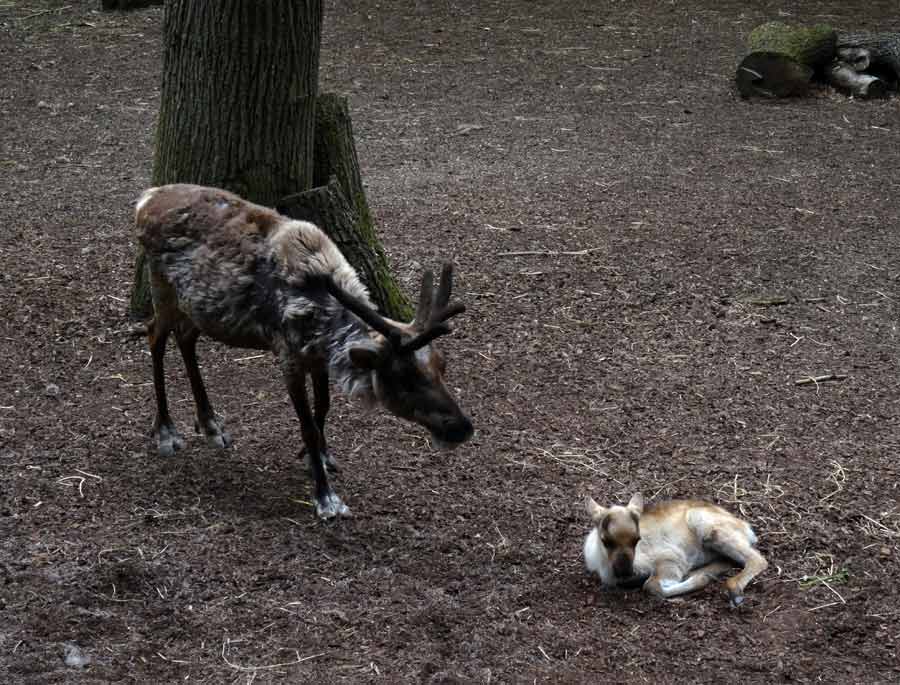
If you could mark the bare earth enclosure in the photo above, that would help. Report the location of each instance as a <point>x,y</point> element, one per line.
<point>650,264</point>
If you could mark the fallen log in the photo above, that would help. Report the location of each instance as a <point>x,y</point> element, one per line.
<point>883,49</point>
<point>783,59</point>
<point>772,75</point>
<point>813,46</point>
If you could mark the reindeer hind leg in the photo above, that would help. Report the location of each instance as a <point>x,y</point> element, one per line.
<point>736,546</point>
<point>186,335</point>
<point>168,441</point>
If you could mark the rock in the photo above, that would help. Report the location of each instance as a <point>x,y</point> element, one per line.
<point>75,657</point>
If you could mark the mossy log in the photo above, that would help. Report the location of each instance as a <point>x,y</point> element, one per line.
<point>772,75</point>
<point>784,58</point>
<point>813,46</point>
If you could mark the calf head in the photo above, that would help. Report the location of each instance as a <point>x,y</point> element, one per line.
<point>619,530</point>
<point>407,371</point>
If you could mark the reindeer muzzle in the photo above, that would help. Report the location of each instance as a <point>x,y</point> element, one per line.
<point>452,432</point>
<point>623,567</point>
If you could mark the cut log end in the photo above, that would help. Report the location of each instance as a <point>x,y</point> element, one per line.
<point>772,75</point>
<point>866,86</point>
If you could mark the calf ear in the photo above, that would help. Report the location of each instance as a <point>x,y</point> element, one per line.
<point>594,510</point>
<point>364,357</point>
<point>636,504</point>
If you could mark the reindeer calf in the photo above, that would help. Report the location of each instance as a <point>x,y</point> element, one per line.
<point>248,277</point>
<point>670,548</point>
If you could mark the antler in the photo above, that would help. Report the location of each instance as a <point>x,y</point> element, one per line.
<point>433,310</point>
<point>364,312</point>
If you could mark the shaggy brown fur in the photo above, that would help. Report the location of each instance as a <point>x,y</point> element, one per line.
<point>248,277</point>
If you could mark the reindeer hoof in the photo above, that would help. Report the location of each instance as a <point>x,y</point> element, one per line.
<point>168,441</point>
<point>330,506</point>
<point>215,436</point>
<point>735,600</point>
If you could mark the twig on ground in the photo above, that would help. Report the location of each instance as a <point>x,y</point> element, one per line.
<point>42,12</point>
<point>767,301</point>
<point>65,481</point>
<point>820,379</point>
<point>549,253</point>
<point>266,667</point>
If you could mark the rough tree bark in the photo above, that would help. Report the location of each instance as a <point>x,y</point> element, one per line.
<point>338,204</point>
<point>237,110</point>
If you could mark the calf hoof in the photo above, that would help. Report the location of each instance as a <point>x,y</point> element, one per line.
<point>215,436</point>
<point>168,441</point>
<point>653,587</point>
<point>331,506</point>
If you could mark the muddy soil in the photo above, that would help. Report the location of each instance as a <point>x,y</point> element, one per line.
<point>650,265</point>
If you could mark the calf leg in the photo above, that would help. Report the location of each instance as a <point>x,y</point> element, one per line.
<point>666,579</point>
<point>168,440</point>
<point>736,546</point>
<point>697,579</point>
<point>186,334</point>
<point>328,504</point>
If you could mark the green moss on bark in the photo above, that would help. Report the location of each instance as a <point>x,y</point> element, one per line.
<point>813,46</point>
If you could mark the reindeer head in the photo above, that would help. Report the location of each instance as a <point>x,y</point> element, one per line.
<point>407,371</point>
<point>620,531</point>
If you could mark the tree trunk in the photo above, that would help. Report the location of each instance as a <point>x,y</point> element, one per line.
<point>238,101</point>
<point>335,158</point>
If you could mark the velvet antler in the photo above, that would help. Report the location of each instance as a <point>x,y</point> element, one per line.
<point>432,312</point>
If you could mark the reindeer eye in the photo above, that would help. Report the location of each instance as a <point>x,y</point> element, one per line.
<point>608,544</point>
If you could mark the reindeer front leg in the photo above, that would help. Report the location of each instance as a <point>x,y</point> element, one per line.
<point>321,404</point>
<point>328,504</point>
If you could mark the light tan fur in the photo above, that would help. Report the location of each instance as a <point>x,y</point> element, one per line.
<point>672,548</point>
<point>302,248</point>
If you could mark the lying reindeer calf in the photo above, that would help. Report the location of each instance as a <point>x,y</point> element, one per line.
<point>671,548</point>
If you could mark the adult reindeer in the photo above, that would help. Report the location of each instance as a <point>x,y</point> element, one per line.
<point>248,277</point>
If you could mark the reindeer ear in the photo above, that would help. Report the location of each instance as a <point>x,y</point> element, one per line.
<point>364,357</point>
<point>594,510</point>
<point>636,504</point>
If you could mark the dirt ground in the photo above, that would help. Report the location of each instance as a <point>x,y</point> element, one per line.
<point>691,256</point>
